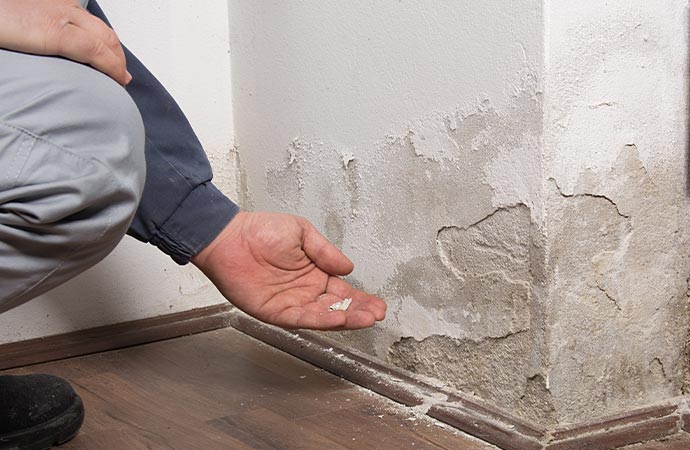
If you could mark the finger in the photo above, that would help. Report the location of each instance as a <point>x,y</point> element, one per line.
<point>97,27</point>
<point>80,45</point>
<point>369,303</point>
<point>298,317</point>
<point>77,45</point>
<point>94,25</point>
<point>324,254</point>
<point>359,319</point>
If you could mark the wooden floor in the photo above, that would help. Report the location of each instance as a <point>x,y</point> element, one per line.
<point>223,390</point>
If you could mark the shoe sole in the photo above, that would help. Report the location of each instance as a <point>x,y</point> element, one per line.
<point>47,435</point>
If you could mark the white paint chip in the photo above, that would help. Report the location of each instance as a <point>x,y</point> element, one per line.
<point>340,306</point>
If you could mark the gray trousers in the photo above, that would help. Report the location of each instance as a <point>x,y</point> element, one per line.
<point>71,171</point>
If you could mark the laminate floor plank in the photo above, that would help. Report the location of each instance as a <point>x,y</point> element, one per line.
<point>374,428</point>
<point>265,430</point>
<point>111,439</point>
<point>223,390</point>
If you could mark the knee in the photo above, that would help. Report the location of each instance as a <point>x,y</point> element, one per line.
<point>113,134</point>
<point>78,109</point>
<point>93,132</point>
<point>114,140</point>
<point>63,212</point>
<point>72,169</point>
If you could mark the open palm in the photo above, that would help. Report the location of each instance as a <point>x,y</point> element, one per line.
<point>281,270</point>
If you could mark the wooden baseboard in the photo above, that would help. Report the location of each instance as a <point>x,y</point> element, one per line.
<point>465,412</point>
<point>462,411</point>
<point>111,337</point>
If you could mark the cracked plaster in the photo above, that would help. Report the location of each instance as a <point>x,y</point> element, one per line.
<point>441,233</point>
<point>530,246</point>
<point>617,266</point>
<point>617,222</point>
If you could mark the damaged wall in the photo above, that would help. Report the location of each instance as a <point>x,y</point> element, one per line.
<point>617,203</point>
<point>410,133</point>
<point>510,177</point>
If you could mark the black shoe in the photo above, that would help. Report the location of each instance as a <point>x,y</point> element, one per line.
<point>37,412</point>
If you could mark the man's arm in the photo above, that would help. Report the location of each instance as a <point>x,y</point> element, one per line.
<point>181,211</point>
<point>275,267</point>
<point>281,270</point>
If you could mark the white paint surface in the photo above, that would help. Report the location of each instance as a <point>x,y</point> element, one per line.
<point>615,76</point>
<point>443,145</point>
<point>323,86</point>
<point>349,74</point>
<point>616,142</point>
<point>186,47</point>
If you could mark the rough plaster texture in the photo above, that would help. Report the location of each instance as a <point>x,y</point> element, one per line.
<point>510,177</point>
<point>186,46</point>
<point>411,135</point>
<point>617,204</point>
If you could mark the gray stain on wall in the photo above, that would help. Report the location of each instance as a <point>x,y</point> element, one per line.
<point>457,267</point>
<point>244,199</point>
<point>618,281</point>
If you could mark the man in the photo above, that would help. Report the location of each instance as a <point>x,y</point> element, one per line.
<point>91,147</point>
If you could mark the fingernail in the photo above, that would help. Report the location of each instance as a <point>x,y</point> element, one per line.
<point>128,78</point>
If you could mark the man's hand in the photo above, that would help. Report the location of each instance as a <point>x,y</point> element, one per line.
<point>62,28</point>
<point>281,270</point>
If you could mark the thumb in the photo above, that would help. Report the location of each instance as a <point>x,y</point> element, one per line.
<point>325,255</point>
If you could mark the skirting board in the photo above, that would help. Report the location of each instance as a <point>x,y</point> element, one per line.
<point>465,412</point>
<point>462,411</point>
<point>111,337</point>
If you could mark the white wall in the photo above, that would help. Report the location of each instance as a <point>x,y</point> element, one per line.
<point>186,47</point>
<point>407,131</point>
<point>618,211</point>
<point>353,74</point>
<point>510,176</point>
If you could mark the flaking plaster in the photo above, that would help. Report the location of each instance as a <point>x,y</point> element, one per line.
<point>522,208</point>
<point>437,230</point>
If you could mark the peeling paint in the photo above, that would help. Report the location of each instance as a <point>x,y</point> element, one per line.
<point>244,197</point>
<point>286,181</point>
<point>479,368</point>
<point>434,222</point>
<point>532,247</point>
<point>618,267</point>
<point>431,138</point>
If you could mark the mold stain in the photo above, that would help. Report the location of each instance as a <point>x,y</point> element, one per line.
<point>615,264</point>
<point>479,368</point>
<point>418,213</point>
